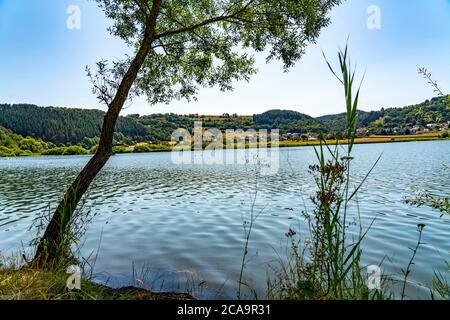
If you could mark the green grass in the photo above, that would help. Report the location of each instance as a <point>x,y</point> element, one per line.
<point>366,140</point>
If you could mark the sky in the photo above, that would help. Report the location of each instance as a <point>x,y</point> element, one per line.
<point>42,61</point>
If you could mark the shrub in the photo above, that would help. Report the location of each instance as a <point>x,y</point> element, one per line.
<point>6,152</point>
<point>32,145</point>
<point>75,150</point>
<point>25,153</point>
<point>121,149</point>
<point>142,148</point>
<point>62,151</point>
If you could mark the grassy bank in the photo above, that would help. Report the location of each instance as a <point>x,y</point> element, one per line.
<point>32,284</point>
<point>167,147</point>
<point>369,140</point>
<point>161,147</point>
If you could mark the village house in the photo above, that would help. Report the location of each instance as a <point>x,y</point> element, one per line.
<point>433,126</point>
<point>417,128</point>
<point>362,131</point>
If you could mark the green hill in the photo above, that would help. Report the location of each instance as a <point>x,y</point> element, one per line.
<point>395,120</point>
<point>275,117</point>
<point>65,127</point>
<point>434,111</point>
<point>288,122</point>
<point>337,122</point>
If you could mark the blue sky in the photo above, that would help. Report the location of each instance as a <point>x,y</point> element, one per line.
<point>42,62</point>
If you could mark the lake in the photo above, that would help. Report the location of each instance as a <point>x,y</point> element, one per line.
<point>179,227</point>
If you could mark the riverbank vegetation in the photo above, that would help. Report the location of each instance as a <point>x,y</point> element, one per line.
<point>326,264</point>
<point>65,127</point>
<point>26,283</point>
<point>14,145</point>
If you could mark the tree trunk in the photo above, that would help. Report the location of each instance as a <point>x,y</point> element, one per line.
<point>51,246</point>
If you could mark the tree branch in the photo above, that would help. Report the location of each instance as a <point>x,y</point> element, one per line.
<point>220,18</point>
<point>154,12</point>
<point>183,26</point>
<point>142,6</point>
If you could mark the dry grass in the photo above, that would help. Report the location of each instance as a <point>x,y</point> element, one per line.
<point>32,284</point>
<point>366,140</point>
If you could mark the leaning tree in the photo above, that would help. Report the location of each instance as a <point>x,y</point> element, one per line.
<point>181,45</point>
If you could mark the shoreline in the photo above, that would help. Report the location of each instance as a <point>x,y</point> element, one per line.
<point>35,284</point>
<point>286,144</point>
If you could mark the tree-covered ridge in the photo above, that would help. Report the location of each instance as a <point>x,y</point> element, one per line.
<point>63,126</point>
<point>66,126</point>
<point>274,117</point>
<point>337,122</point>
<point>404,120</point>
<point>288,121</point>
<point>435,112</point>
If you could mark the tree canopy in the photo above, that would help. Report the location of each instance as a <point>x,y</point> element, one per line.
<point>205,42</point>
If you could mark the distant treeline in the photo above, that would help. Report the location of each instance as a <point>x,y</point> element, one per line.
<point>396,120</point>
<point>15,145</point>
<point>66,126</point>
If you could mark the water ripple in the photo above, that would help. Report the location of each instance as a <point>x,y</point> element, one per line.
<point>154,213</point>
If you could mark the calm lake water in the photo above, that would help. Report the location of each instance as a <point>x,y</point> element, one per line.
<point>180,227</point>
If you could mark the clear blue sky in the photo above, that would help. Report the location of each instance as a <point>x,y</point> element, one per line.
<point>42,62</point>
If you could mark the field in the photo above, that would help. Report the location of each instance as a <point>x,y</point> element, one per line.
<point>144,147</point>
<point>371,139</point>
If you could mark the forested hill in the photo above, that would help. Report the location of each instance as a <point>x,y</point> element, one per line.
<point>436,110</point>
<point>288,122</point>
<point>338,121</point>
<point>396,120</point>
<point>65,125</point>
<point>82,127</point>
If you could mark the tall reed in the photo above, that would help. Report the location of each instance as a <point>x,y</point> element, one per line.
<point>328,264</point>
